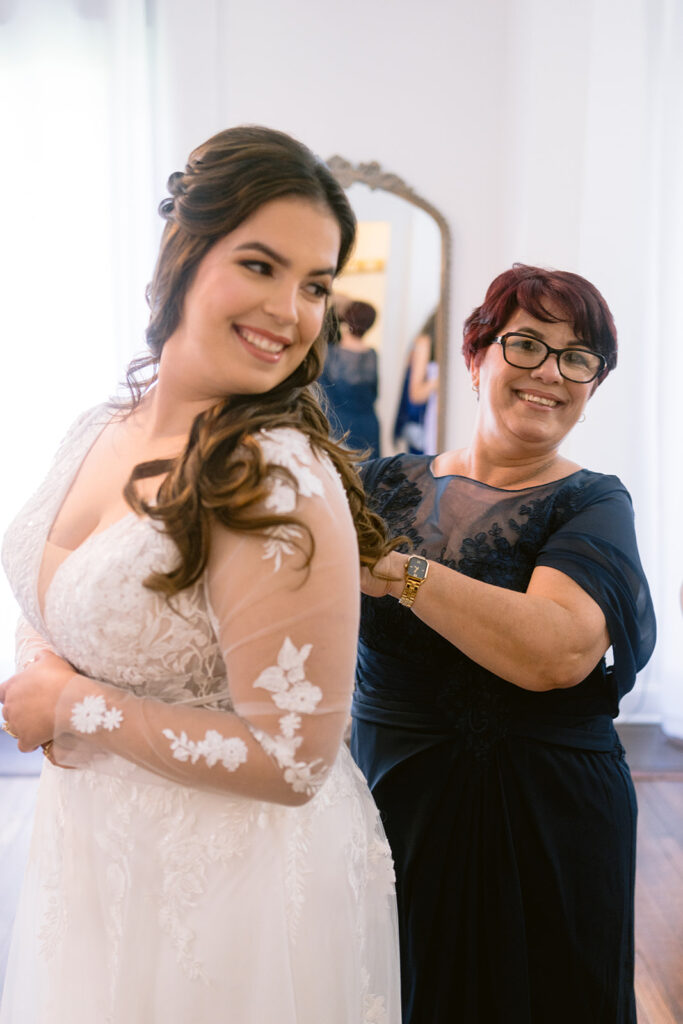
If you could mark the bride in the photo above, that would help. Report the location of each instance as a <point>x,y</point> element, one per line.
<point>189,580</point>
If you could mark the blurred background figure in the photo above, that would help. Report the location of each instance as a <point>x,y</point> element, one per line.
<point>349,378</point>
<point>415,428</point>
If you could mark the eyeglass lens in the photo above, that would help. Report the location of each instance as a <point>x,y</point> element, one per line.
<point>577,364</point>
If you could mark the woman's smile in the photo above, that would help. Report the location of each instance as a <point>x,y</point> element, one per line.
<point>262,344</point>
<point>539,399</point>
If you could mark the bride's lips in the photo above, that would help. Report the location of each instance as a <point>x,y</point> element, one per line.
<point>262,344</point>
<point>538,399</point>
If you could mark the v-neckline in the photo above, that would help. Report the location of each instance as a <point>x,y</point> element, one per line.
<point>42,608</point>
<point>41,605</point>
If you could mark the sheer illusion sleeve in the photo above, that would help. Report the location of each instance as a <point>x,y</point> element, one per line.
<point>29,644</point>
<point>287,633</point>
<point>597,548</point>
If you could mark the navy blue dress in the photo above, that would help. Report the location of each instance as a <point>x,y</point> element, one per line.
<point>349,380</point>
<point>511,814</point>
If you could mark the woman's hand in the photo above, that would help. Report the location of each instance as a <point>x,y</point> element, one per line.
<point>30,699</point>
<point>374,584</point>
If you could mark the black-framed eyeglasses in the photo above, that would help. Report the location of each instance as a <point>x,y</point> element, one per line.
<point>580,365</point>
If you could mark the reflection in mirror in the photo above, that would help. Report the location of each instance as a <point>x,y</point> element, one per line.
<point>400,266</point>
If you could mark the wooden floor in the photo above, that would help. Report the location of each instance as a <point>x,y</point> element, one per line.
<point>659,902</point>
<point>659,887</point>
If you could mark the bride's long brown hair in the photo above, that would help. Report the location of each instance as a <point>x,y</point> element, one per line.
<point>222,474</point>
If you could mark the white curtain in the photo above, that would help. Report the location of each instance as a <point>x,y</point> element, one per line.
<point>78,231</point>
<point>632,228</point>
<point>664,338</point>
<point>594,148</point>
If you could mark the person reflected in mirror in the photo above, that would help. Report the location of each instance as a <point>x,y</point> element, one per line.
<point>415,426</point>
<point>189,576</point>
<point>493,655</point>
<point>350,378</point>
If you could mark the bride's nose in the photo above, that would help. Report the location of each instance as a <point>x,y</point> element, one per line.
<point>282,302</point>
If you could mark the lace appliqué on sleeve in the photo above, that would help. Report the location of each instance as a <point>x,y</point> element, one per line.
<point>291,692</point>
<point>92,713</point>
<point>291,450</point>
<point>231,752</point>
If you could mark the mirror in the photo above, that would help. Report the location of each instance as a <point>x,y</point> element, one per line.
<point>400,266</point>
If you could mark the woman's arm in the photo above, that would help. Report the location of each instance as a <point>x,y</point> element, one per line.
<point>288,639</point>
<point>29,644</point>
<point>549,637</point>
<point>420,387</point>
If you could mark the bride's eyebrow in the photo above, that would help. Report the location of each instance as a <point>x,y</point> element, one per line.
<point>280,260</point>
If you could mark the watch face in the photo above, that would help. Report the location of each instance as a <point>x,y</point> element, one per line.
<point>417,567</point>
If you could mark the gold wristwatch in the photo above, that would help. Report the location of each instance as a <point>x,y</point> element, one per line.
<point>415,571</point>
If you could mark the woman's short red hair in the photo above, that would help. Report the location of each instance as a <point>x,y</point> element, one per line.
<point>534,290</point>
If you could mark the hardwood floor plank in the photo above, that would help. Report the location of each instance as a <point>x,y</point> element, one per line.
<point>651,1007</point>
<point>659,902</point>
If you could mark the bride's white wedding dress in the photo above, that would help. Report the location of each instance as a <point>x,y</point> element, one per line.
<point>177,875</point>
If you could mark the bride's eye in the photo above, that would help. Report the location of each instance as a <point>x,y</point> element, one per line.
<point>320,291</point>
<point>258,266</point>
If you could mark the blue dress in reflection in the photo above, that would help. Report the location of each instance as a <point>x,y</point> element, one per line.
<point>349,380</point>
<point>511,814</point>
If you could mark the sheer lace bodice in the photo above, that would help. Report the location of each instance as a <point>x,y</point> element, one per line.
<point>242,680</point>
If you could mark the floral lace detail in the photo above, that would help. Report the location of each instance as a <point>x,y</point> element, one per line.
<point>475,705</point>
<point>297,868</point>
<point>381,863</point>
<point>292,692</point>
<point>92,713</point>
<point>231,752</point>
<point>375,1010</point>
<point>374,1007</point>
<point>281,541</point>
<point>508,561</point>
<point>396,501</point>
<point>290,450</point>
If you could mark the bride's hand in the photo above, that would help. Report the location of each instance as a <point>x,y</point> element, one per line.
<point>30,699</point>
<point>375,585</point>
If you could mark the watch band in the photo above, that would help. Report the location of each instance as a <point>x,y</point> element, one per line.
<point>415,571</point>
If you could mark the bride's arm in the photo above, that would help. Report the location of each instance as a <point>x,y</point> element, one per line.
<point>29,644</point>
<point>288,639</point>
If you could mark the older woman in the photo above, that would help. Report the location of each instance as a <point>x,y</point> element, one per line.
<point>486,688</point>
